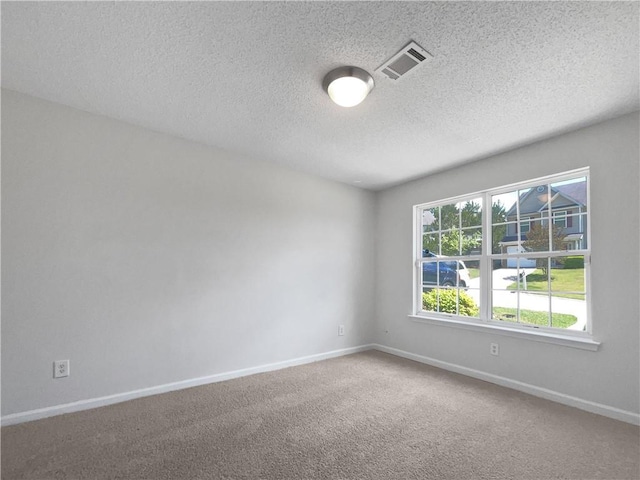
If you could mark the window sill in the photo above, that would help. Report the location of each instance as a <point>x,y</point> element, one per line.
<point>583,343</point>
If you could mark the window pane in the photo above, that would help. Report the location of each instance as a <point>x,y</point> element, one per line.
<point>430,244</point>
<point>537,238</point>
<point>439,273</point>
<point>471,213</point>
<point>534,309</point>
<point>430,276</point>
<point>469,273</point>
<point>575,232</point>
<point>450,242</point>
<point>532,278</point>
<point>470,302</point>
<point>503,207</point>
<point>502,236</point>
<point>470,291</point>
<point>567,276</point>
<point>444,300</point>
<point>569,201</point>
<point>569,313</point>
<point>430,219</point>
<point>450,217</point>
<point>569,194</point>
<point>505,305</point>
<point>430,300</point>
<point>471,241</point>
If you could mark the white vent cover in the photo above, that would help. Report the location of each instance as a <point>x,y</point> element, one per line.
<point>404,62</point>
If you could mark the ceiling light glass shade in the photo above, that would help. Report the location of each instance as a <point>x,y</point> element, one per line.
<point>348,86</point>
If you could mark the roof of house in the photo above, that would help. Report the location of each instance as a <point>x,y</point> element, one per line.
<point>574,193</point>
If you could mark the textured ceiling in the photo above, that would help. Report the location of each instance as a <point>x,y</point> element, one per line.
<point>247,76</point>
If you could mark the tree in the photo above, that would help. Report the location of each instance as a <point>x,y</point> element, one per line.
<point>449,217</point>
<point>471,215</point>
<point>498,212</point>
<point>538,241</point>
<point>498,215</point>
<point>451,242</point>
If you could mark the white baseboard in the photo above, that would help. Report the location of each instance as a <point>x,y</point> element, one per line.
<point>593,407</point>
<point>30,415</point>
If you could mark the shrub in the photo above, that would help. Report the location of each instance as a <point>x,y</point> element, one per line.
<point>467,306</point>
<point>574,262</point>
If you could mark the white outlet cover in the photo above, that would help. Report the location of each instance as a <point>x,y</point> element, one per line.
<point>60,368</point>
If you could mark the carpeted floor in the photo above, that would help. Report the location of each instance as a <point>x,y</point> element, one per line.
<point>363,416</point>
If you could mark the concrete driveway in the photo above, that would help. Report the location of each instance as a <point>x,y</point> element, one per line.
<point>503,277</point>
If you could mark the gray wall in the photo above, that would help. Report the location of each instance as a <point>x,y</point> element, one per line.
<point>610,376</point>
<point>146,259</point>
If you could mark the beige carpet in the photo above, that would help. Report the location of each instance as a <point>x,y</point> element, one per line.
<point>368,415</point>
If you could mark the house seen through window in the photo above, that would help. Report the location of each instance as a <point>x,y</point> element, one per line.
<point>515,256</point>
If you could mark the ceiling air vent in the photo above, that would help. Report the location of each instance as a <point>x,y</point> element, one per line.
<point>405,61</point>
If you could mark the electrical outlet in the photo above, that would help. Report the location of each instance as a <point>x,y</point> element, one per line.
<point>60,368</point>
<point>494,349</point>
<point>340,330</point>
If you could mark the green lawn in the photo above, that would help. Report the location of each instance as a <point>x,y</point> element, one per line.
<point>562,280</point>
<point>474,272</point>
<point>559,320</point>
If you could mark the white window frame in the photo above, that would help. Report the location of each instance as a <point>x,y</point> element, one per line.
<point>527,222</point>
<point>573,338</point>
<point>560,215</point>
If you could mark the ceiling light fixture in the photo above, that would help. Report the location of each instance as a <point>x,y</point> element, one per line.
<point>348,86</point>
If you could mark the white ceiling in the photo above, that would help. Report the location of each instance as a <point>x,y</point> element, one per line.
<point>247,76</point>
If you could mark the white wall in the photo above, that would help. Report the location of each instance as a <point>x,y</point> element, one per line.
<point>147,259</point>
<point>609,376</point>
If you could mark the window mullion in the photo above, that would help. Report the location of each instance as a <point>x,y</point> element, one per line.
<point>549,292</point>
<point>518,220</point>
<point>486,266</point>
<point>417,267</point>
<point>459,231</point>
<point>550,218</point>
<point>440,230</point>
<point>518,292</point>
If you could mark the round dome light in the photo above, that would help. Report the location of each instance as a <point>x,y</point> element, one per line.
<point>348,86</point>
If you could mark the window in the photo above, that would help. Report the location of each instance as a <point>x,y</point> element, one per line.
<point>514,256</point>
<point>560,218</point>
